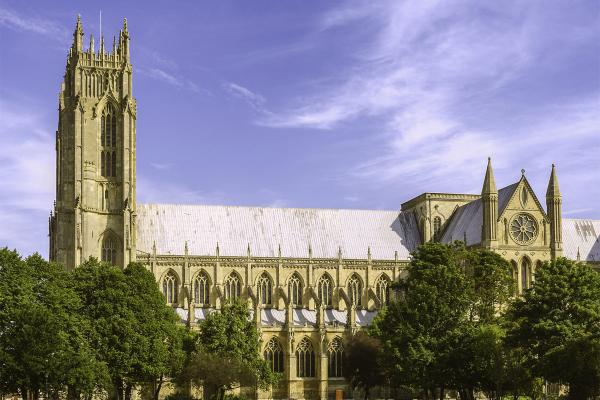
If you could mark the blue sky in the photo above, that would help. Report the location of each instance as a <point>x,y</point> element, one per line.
<point>316,104</point>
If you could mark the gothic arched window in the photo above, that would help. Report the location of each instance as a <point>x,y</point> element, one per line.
<point>305,359</point>
<point>437,226</point>
<point>109,250</point>
<point>525,274</point>
<point>355,290</point>
<point>335,354</point>
<point>295,290</point>
<point>382,288</point>
<point>265,289</point>
<point>202,289</point>
<point>273,354</point>
<point>108,142</point>
<point>233,287</point>
<point>170,285</point>
<point>325,290</point>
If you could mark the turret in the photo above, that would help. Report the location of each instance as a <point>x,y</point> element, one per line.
<point>124,41</point>
<point>78,36</point>
<point>554,210</point>
<point>489,199</point>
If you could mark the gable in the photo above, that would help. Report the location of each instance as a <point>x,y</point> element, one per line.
<point>519,197</point>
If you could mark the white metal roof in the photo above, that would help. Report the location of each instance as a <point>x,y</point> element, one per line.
<point>581,236</point>
<point>264,229</point>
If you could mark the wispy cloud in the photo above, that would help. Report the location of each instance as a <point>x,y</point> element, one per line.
<point>170,78</point>
<point>42,26</point>
<point>428,72</point>
<point>255,100</point>
<point>152,191</point>
<point>26,178</point>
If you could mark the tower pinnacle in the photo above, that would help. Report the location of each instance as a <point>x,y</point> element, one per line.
<point>78,35</point>
<point>553,190</point>
<point>489,183</point>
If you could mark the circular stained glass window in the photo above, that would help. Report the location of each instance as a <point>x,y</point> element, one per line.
<point>523,228</point>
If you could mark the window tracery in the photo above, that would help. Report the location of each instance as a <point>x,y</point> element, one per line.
<point>109,250</point>
<point>305,359</point>
<point>335,354</point>
<point>108,142</point>
<point>382,288</point>
<point>170,285</point>
<point>265,289</point>
<point>273,354</point>
<point>202,289</point>
<point>325,290</point>
<point>355,290</point>
<point>295,289</point>
<point>233,287</point>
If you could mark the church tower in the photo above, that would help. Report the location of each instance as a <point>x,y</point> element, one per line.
<point>95,208</point>
<point>553,207</point>
<point>489,199</point>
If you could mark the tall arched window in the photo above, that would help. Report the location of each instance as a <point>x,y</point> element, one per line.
<point>265,289</point>
<point>515,275</point>
<point>233,287</point>
<point>109,250</point>
<point>295,290</point>
<point>305,359</point>
<point>202,289</point>
<point>382,288</point>
<point>108,142</point>
<point>525,274</point>
<point>335,353</point>
<point>325,290</point>
<point>355,290</point>
<point>170,287</point>
<point>437,226</point>
<point>274,355</point>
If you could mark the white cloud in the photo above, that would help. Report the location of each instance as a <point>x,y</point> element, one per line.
<point>42,26</point>
<point>169,78</point>
<point>255,100</point>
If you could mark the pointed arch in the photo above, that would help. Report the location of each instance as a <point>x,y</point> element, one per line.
<point>170,286</point>
<point>233,286</point>
<point>273,354</point>
<point>295,289</point>
<point>202,288</point>
<point>305,359</point>
<point>383,286</point>
<point>325,289</point>
<point>335,355</point>
<point>107,108</point>
<point>525,273</point>
<point>355,288</point>
<point>437,227</point>
<point>109,247</point>
<point>265,289</point>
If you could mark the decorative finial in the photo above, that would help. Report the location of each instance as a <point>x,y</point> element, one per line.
<point>218,250</point>
<point>186,248</point>
<point>309,251</point>
<point>522,172</point>
<point>91,49</point>
<point>248,249</point>
<point>124,25</point>
<point>279,250</point>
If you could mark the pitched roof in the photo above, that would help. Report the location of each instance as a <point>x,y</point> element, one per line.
<point>468,219</point>
<point>583,236</point>
<point>169,226</point>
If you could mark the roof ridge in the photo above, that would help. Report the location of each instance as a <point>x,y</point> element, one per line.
<point>267,207</point>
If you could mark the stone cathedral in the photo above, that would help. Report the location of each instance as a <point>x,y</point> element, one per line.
<point>310,276</point>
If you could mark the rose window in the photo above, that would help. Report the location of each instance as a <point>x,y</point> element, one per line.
<point>523,228</point>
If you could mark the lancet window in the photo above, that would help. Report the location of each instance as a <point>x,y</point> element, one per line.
<point>382,288</point>
<point>355,290</point>
<point>295,290</point>
<point>325,290</point>
<point>273,354</point>
<point>335,354</point>
<point>525,274</point>
<point>265,289</point>
<point>109,250</point>
<point>305,359</point>
<point>437,226</point>
<point>170,287</point>
<point>202,289</point>
<point>233,287</point>
<point>108,142</point>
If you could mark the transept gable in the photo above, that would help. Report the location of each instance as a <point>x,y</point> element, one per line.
<point>519,197</point>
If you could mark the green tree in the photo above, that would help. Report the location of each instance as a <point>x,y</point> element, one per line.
<point>362,355</point>
<point>557,324</point>
<point>43,338</point>
<point>228,352</point>
<point>133,330</point>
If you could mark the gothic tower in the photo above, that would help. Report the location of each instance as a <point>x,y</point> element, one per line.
<point>489,198</point>
<point>553,208</point>
<point>95,208</point>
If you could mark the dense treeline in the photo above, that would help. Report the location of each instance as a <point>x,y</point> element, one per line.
<point>105,330</point>
<point>456,326</point>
